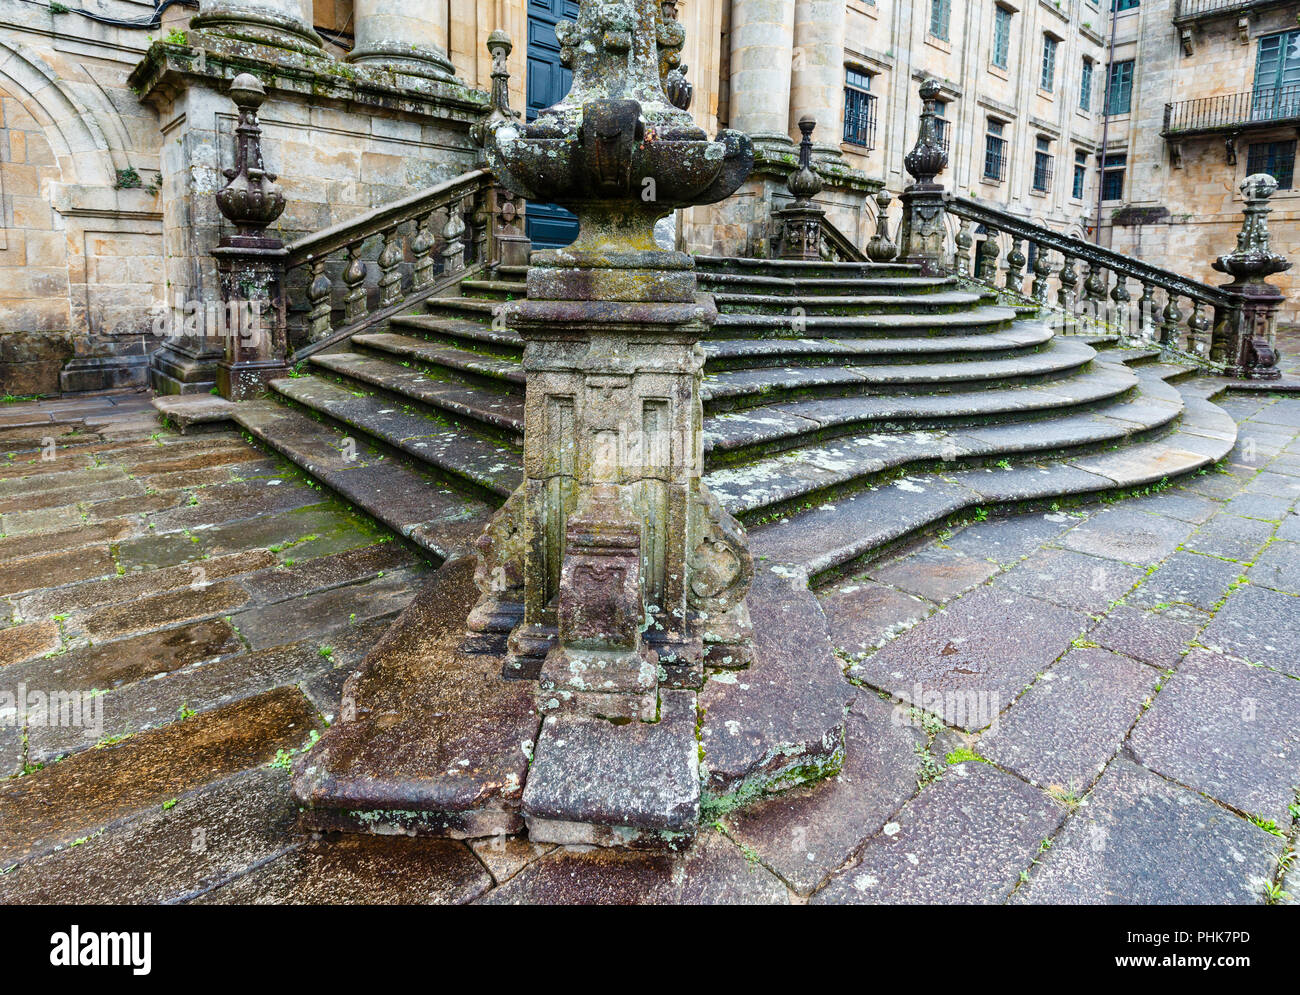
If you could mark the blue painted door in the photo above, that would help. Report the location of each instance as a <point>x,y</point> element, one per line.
<point>549,225</point>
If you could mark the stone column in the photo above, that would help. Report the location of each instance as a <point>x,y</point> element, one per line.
<point>762,44</point>
<point>279,23</point>
<point>817,70</point>
<point>403,35</point>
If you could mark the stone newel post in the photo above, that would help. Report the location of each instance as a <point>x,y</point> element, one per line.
<point>509,244</point>
<point>921,236</point>
<point>1246,341</point>
<point>801,224</point>
<point>404,36</point>
<point>250,263</point>
<point>631,572</point>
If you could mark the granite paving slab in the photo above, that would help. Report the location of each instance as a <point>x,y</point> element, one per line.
<point>862,615</point>
<point>964,840</point>
<point>1141,840</point>
<point>1159,637</point>
<point>1072,580</point>
<point>934,572</point>
<point>1278,567</point>
<point>1229,730</point>
<point>1121,533</point>
<point>1260,626</point>
<point>1231,537</point>
<point>1195,579</point>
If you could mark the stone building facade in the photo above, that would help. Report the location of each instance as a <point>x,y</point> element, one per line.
<point>1206,92</point>
<point>116,129</point>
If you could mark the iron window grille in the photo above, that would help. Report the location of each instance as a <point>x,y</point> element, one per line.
<point>859,110</point>
<point>1043,165</point>
<point>1112,177</point>
<point>1275,158</point>
<point>995,153</point>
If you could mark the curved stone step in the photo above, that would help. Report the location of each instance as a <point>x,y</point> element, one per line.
<point>725,354</point>
<point>502,290</point>
<point>412,503</point>
<point>503,374</point>
<point>467,333</point>
<point>787,424</point>
<point>748,283</point>
<point>827,539</point>
<point>994,318</point>
<point>803,268</point>
<point>803,474</point>
<point>730,390</point>
<point>487,465</point>
<point>776,304</point>
<point>499,414</point>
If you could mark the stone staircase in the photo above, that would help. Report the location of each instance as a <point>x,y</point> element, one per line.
<point>847,406</point>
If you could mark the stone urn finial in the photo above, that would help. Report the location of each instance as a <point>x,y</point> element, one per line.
<point>251,200</point>
<point>881,248</point>
<point>1253,259</point>
<point>804,182</point>
<point>927,158</point>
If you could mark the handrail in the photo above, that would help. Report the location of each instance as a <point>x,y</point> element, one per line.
<point>377,220</point>
<point>1069,245</point>
<point>840,244</point>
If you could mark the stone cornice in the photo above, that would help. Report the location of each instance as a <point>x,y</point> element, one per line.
<point>779,165</point>
<point>168,69</point>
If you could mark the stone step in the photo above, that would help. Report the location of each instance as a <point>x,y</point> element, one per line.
<point>1133,356</point>
<point>853,462</point>
<point>414,504</point>
<point>462,307</point>
<point>486,465</point>
<point>731,390</point>
<point>783,425</point>
<point>803,269</point>
<point>768,304</point>
<point>445,360</point>
<point>831,538</point>
<point>498,290</point>
<point>498,414</point>
<point>517,273</point>
<point>463,332</point>
<point>993,318</point>
<point>728,354</point>
<point>721,283</point>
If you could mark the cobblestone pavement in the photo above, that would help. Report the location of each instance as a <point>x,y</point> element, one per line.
<point>1091,704</point>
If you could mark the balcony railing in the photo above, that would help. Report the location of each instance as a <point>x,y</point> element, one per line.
<point>1263,106</point>
<point>1199,10</point>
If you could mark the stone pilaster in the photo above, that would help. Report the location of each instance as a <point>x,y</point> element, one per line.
<point>762,49</point>
<point>277,23</point>
<point>407,37</point>
<point>817,70</point>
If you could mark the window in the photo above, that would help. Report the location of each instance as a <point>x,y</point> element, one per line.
<point>859,110</point>
<point>941,123</point>
<point>1085,86</point>
<point>995,152</point>
<point>1122,5</point>
<point>1275,158</point>
<point>1119,88</point>
<point>1043,164</point>
<point>1112,177</point>
<point>1277,78</point>
<point>1001,36</point>
<point>940,14</point>
<point>1049,63</point>
<point>1080,174</point>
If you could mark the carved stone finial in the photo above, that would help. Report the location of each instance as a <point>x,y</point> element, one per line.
<point>927,158</point>
<point>678,88</point>
<point>251,200</point>
<point>1253,259</point>
<point>499,46</point>
<point>804,182</point>
<point>881,248</point>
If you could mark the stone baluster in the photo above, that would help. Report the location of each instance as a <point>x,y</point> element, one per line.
<point>1066,295</point>
<point>421,245</point>
<point>354,278</point>
<point>1121,317</point>
<point>277,24</point>
<point>250,263</point>
<point>453,240</point>
<point>403,36</point>
<point>322,309</point>
<point>986,257</point>
<point>1042,275</point>
<point>390,273</point>
<point>1147,312</point>
<point>1173,319</point>
<point>1198,330</point>
<point>1249,346</point>
<point>962,253</point>
<point>921,237</point>
<point>1015,276</point>
<point>1094,291</point>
